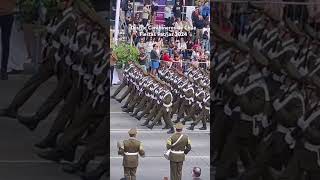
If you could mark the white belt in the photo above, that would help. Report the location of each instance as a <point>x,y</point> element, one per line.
<point>246,117</point>
<point>288,138</point>
<point>313,148</point>
<point>177,152</point>
<point>254,119</point>
<point>200,104</point>
<point>227,110</point>
<point>131,154</point>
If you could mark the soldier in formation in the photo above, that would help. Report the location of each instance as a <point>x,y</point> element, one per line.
<point>265,101</point>
<point>76,53</point>
<point>173,92</point>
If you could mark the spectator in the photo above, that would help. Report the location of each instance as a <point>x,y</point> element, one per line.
<point>202,59</point>
<point>149,47</point>
<point>125,6</point>
<point>167,15</point>
<point>154,9</point>
<point>166,59</point>
<point>196,45</point>
<point>146,14</point>
<point>7,8</point>
<point>166,56</point>
<point>177,9</point>
<point>143,58</point>
<point>183,47</point>
<point>187,25</point>
<point>199,24</point>
<point>178,25</point>
<point>171,46</point>
<point>141,44</point>
<point>314,15</point>
<point>205,41</point>
<point>154,56</point>
<point>195,54</point>
<point>177,61</point>
<point>137,19</point>
<point>205,10</point>
<point>194,15</point>
<point>113,62</point>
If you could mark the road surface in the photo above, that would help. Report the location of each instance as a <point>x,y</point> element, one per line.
<point>154,166</point>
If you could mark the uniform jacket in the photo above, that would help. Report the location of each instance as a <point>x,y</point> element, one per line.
<point>131,145</point>
<point>183,145</point>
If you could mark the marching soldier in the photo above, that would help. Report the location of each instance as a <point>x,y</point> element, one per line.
<point>179,145</point>
<point>130,149</point>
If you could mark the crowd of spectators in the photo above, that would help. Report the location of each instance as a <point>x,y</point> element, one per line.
<point>233,18</point>
<point>188,44</point>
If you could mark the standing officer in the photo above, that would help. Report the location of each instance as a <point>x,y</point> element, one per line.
<point>180,145</point>
<point>130,149</point>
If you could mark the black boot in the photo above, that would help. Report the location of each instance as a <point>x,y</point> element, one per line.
<point>124,106</point>
<point>30,122</point>
<point>204,127</point>
<point>138,117</point>
<point>150,126</point>
<point>171,131</point>
<point>130,110</point>
<point>119,100</point>
<point>159,123</point>
<point>4,76</point>
<point>184,122</point>
<point>9,112</point>
<point>96,174</point>
<point>48,142</point>
<point>125,110</point>
<point>57,155</point>
<point>52,155</point>
<point>166,127</point>
<point>191,127</point>
<point>145,123</point>
<point>134,114</point>
<point>79,166</point>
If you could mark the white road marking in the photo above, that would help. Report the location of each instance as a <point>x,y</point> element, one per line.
<point>193,157</point>
<point>94,162</point>
<point>142,131</point>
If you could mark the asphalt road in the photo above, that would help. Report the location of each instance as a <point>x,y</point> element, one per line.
<point>18,160</point>
<point>154,166</point>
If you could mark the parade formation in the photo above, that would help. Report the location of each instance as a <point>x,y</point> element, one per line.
<point>265,100</point>
<point>76,53</point>
<point>172,93</point>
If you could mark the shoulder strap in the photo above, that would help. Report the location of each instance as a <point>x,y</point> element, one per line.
<point>177,140</point>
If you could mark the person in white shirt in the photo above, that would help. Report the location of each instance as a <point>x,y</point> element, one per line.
<point>178,25</point>
<point>183,47</point>
<point>141,44</point>
<point>146,14</point>
<point>167,15</point>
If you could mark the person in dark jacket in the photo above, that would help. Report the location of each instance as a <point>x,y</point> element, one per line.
<point>177,9</point>
<point>7,8</point>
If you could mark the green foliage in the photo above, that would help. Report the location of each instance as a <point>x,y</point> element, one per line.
<point>52,7</point>
<point>28,10</point>
<point>125,53</point>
